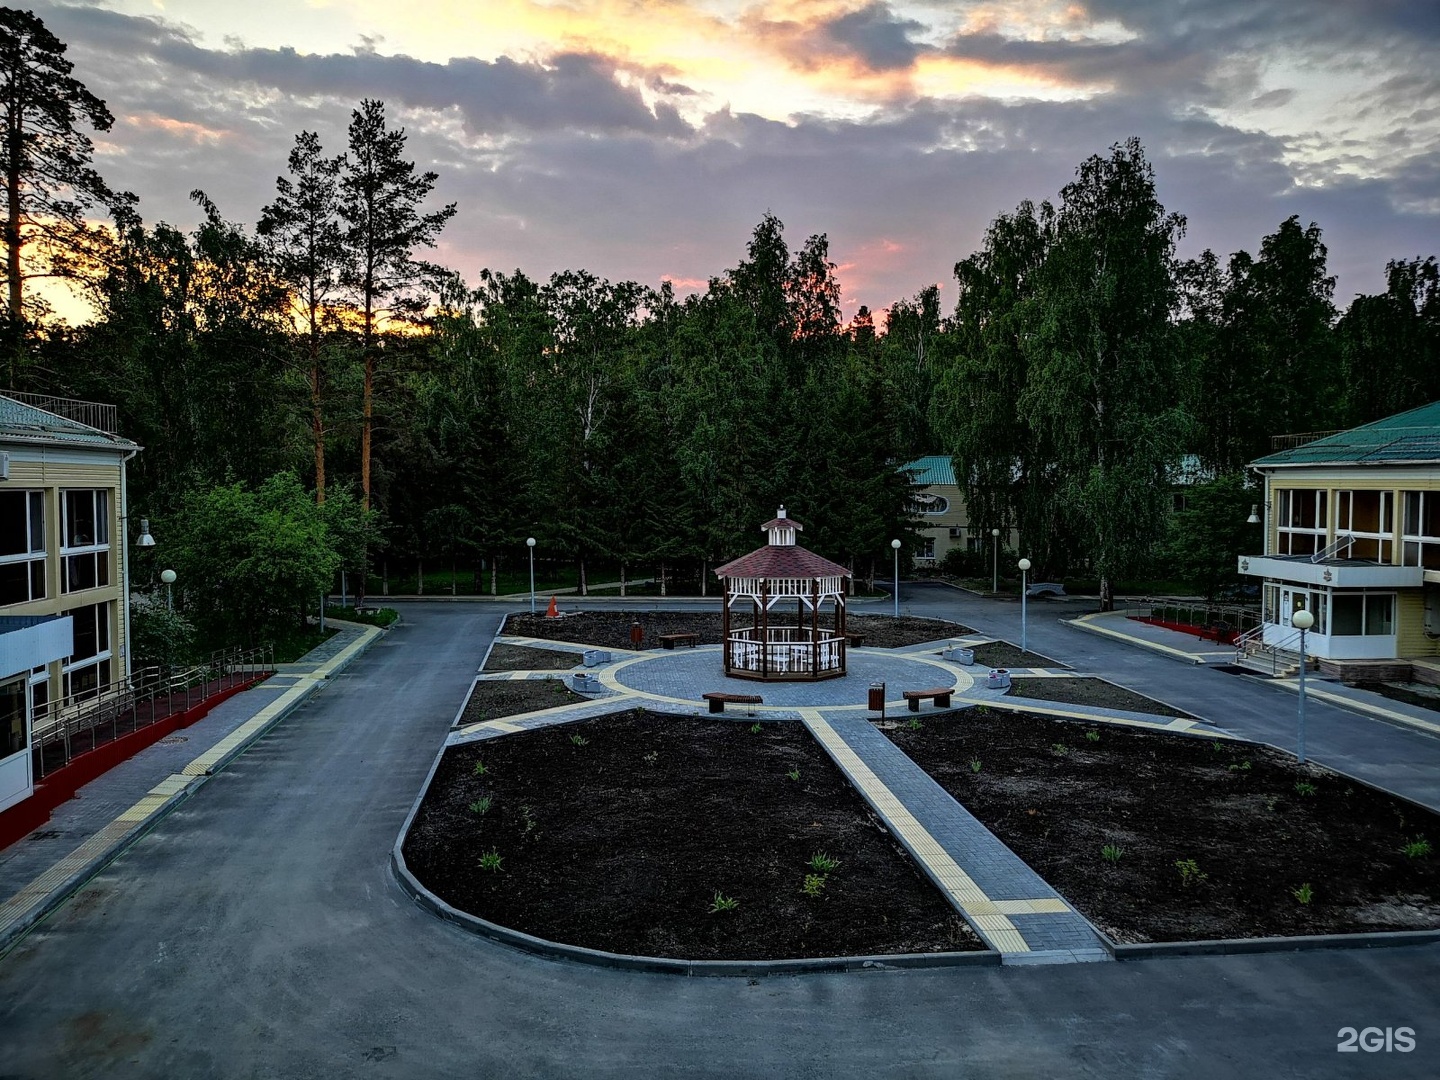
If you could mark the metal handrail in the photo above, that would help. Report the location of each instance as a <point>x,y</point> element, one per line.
<point>125,705</point>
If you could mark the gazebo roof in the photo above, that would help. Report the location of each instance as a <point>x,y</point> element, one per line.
<point>782,522</point>
<point>774,561</point>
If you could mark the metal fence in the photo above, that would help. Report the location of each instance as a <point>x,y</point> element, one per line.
<point>1217,618</point>
<point>90,413</point>
<point>63,729</point>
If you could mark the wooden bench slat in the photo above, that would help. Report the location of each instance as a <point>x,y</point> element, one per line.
<point>941,695</point>
<point>718,700</point>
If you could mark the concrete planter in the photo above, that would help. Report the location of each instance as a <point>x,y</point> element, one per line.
<point>960,655</point>
<point>998,679</point>
<point>596,657</point>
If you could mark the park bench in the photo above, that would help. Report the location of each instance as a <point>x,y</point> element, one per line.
<point>669,641</point>
<point>940,694</point>
<point>1046,588</point>
<point>718,701</point>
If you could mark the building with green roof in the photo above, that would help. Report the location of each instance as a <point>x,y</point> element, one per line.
<point>938,504</point>
<point>1352,535</point>
<point>64,596</point>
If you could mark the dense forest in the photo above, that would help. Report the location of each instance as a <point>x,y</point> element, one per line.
<point>430,421</point>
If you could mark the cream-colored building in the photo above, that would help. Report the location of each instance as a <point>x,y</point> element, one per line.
<point>64,614</point>
<point>943,520</point>
<point>1352,534</point>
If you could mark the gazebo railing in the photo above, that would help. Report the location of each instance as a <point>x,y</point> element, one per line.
<point>794,651</point>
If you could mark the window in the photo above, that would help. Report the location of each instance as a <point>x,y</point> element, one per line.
<point>88,669</point>
<point>922,502</point>
<point>1368,614</point>
<point>12,717</point>
<point>22,546</point>
<point>84,540</point>
<point>927,548</point>
<point>1369,516</point>
<point>1300,521</point>
<point>1421,531</point>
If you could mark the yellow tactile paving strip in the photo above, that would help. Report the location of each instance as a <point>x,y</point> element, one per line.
<point>104,839</point>
<point>989,917</point>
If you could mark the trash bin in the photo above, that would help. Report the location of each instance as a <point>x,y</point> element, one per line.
<point>877,697</point>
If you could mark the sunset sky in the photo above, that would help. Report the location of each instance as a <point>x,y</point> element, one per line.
<point>644,139</point>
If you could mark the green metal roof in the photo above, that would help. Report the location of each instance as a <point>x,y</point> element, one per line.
<point>932,471</point>
<point>25,423</point>
<point>1412,436</point>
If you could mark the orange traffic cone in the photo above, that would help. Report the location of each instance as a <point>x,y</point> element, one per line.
<point>552,612</point>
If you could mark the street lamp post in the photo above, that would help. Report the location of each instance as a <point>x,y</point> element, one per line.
<point>1024,570</point>
<point>1302,620</point>
<point>168,577</point>
<point>995,568</point>
<point>896,545</point>
<point>530,543</point>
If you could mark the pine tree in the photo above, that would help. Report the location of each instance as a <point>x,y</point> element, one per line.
<point>380,197</point>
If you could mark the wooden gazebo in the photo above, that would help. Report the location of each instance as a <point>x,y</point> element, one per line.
<point>784,643</point>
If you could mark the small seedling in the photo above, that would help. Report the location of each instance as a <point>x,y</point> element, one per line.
<point>814,884</point>
<point>1112,853</point>
<point>579,740</point>
<point>1092,736</point>
<point>755,729</point>
<point>1242,766</point>
<point>822,863</point>
<point>974,764</point>
<point>794,774</point>
<point>1215,747</point>
<point>528,819</point>
<point>1271,801</point>
<point>652,757</point>
<point>914,724</point>
<point>490,860</point>
<point>1059,748</point>
<point>1304,787</point>
<point>1417,848</point>
<point>1190,872</point>
<point>481,805</point>
<point>480,769</point>
<point>1304,894</point>
<point>723,903</point>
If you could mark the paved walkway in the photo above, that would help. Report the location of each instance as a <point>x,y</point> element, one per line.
<point>1011,907</point>
<point>39,871</point>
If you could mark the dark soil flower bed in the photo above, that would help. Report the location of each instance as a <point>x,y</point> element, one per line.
<point>523,658</point>
<point>1254,840</point>
<point>629,832</point>
<point>611,629</point>
<point>494,698</point>
<point>1095,692</point>
<point>1001,654</point>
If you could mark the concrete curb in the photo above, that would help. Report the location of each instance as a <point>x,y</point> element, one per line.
<point>11,935</point>
<point>1362,708</point>
<point>1384,939</point>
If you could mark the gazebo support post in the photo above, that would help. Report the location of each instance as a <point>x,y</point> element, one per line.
<point>764,628</point>
<point>725,628</point>
<point>814,628</point>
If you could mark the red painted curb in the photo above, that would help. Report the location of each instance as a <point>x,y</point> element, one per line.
<point>61,785</point>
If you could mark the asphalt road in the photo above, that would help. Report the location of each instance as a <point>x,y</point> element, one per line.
<point>256,932</point>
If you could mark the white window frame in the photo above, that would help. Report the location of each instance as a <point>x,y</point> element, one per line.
<point>35,555</point>
<point>1286,512</point>
<point>1384,533</point>
<point>74,666</point>
<point>1417,543</point>
<point>97,549</point>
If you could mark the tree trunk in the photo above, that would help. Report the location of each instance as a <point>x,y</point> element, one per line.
<point>584,583</point>
<point>662,580</point>
<point>622,577</point>
<point>367,411</point>
<point>452,575</point>
<point>704,576</point>
<point>317,419</point>
<point>494,575</point>
<point>385,577</point>
<point>420,577</point>
<point>1107,595</point>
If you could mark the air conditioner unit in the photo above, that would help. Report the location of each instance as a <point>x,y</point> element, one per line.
<point>957,532</point>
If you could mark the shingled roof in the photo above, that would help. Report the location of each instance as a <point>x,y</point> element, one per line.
<point>790,561</point>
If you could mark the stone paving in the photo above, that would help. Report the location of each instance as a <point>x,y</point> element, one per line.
<point>1010,906</point>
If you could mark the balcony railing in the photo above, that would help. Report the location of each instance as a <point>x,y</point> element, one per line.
<point>789,652</point>
<point>1290,442</point>
<point>90,413</point>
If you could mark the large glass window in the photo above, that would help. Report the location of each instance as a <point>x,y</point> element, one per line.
<point>84,540</point>
<point>923,502</point>
<point>12,717</point>
<point>1300,521</point>
<point>88,669</point>
<point>1369,516</point>
<point>22,546</point>
<point>1421,531</point>
<point>1368,614</point>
